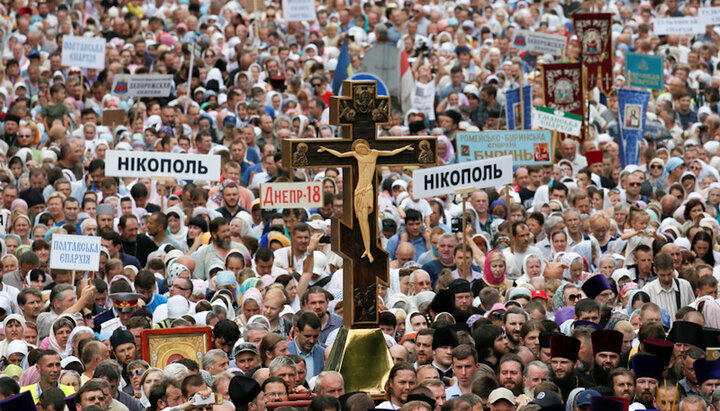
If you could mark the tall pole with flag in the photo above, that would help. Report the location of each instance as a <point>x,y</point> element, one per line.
<point>344,69</point>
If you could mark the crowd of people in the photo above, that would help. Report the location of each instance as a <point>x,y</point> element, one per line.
<point>585,284</point>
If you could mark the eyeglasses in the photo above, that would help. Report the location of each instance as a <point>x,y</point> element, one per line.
<point>656,166</point>
<point>25,135</point>
<point>178,287</point>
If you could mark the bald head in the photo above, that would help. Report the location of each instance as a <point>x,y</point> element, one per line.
<point>405,252</point>
<point>399,354</point>
<point>668,204</point>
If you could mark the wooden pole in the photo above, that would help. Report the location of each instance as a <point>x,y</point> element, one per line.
<point>464,193</point>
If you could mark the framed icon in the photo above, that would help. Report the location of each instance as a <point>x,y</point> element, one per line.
<point>161,347</point>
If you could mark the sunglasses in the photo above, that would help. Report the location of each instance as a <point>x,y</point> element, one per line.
<point>316,85</point>
<point>138,371</point>
<point>573,297</point>
<point>634,184</point>
<point>656,167</point>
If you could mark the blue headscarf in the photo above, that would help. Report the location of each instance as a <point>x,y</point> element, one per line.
<point>672,164</point>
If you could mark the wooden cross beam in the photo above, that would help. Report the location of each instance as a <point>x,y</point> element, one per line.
<point>360,152</point>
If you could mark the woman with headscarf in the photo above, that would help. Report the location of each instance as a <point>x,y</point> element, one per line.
<point>78,334</point>
<point>446,151</point>
<point>149,378</point>
<point>59,333</point>
<point>494,274</point>
<point>16,352</point>
<point>674,169</point>
<point>588,250</point>
<point>533,266</point>
<point>14,328</point>
<point>575,272</point>
<point>251,305</point>
<point>177,230</point>
<point>656,168</point>
<point>21,226</point>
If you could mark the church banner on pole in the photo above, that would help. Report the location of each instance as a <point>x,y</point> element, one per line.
<point>632,106</point>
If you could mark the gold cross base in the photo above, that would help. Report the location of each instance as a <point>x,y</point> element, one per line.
<point>362,358</point>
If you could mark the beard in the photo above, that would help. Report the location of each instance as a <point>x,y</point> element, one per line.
<point>461,316</point>
<point>516,388</point>
<point>600,375</point>
<point>224,244</point>
<point>648,403</point>
<point>566,383</point>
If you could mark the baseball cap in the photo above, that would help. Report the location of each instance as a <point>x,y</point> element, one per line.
<point>502,393</point>
<point>547,398</point>
<point>539,294</point>
<point>245,347</point>
<point>585,397</point>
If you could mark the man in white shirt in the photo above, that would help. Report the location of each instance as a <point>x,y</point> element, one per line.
<point>666,291</point>
<point>464,365</point>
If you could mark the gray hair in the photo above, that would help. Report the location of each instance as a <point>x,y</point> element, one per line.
<point>693,399</point>
<point>210,357</point>
<point>175,371</point>
<point>412,275</point>
<point>280,362</point>
<point>319,378</point>
<point>552,222</point>
<point>253,326</point>
<point>538,364</point>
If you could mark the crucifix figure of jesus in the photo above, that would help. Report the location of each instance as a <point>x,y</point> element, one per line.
<point>364,191</point>
<point>359,152</point>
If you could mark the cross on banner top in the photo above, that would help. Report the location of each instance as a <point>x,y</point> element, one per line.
<point>359,111</point>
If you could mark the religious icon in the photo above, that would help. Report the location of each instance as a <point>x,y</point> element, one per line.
<point>541,152</point>
<point>517,116</point>
<point>592,42</point>
<point>564,92</point>
<point>365,99</point>
<point>426,155</point>
<point>632,116</point>
<point>300,156</point>
<point>364,196</point>
<point>161,347</point>
<point>465,150</point>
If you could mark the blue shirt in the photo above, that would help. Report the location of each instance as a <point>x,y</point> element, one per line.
<point>156,301</point>
<point>418,243</point>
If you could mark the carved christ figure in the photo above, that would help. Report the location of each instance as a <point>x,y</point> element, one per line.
<point>364,200</point>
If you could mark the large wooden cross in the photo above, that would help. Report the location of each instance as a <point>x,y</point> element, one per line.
<point>359,152</point>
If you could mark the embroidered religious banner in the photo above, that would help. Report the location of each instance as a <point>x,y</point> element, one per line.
<point>562,89</point>
<point>595,35</point>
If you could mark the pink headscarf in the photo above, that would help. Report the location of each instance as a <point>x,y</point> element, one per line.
<point>449,149</point>
<point>30,376</point>
<point>487,273</point>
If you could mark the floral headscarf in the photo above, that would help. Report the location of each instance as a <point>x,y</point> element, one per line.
<point>248,284</point>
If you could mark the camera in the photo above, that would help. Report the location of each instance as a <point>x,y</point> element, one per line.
<point>456,225</point>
